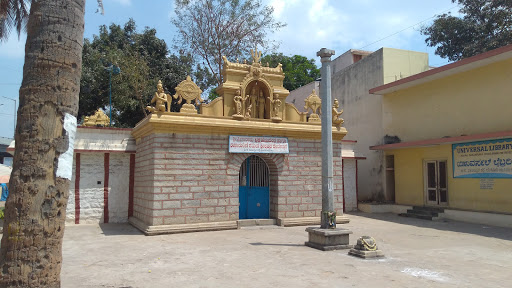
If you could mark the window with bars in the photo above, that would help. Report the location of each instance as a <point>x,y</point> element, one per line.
<point>254,172</point>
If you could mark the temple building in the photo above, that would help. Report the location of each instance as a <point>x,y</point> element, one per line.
<point>247,155</point>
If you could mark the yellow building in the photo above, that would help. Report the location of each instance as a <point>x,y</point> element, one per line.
<point>453,131</point>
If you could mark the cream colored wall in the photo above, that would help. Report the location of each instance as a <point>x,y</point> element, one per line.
<point>363,111</point>
<point>399,64</point>
<point>477,101</point>
<point>463,193</point>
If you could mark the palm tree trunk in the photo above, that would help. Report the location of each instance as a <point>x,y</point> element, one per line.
<point>31,248</point>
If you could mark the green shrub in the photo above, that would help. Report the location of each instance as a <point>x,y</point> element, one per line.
<point>2,212</point>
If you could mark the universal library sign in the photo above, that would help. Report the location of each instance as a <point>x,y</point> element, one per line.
<point>483,159</point>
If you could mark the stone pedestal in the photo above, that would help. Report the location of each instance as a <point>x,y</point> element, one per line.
<point>366,254</point>
<point>328,239</point>
<point>366,248</point>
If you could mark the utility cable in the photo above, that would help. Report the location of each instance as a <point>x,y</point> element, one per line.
<point>407,28</point>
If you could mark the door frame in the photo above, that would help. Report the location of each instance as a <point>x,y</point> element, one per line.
<point>245,192</point>
<point>437,189</point>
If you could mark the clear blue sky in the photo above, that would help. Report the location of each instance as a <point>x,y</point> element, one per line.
<point>312,24</point>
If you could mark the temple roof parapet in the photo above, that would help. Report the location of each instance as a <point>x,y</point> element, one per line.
<point>249,93</point>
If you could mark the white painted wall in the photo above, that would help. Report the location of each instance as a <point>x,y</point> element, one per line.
<point>349,184</point>
<point>119,180</point>
<point>362,113</point>
<point>70,208</point>
<point>91,193</point>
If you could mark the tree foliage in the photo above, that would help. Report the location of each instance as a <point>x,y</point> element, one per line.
<point>13,14</point>
<point>143,59</point>
<point>210,29</point>
<point>485,25</point>
<point>298,70</point>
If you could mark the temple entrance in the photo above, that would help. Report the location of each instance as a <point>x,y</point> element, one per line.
<point>254,189</point>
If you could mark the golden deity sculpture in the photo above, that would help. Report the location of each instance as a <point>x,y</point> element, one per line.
<point>261,106</point>
<point>160,99</point>
<point>98,119</point>
<point>276,105</point>
<point>189,91</point>
<point>248,112</point>
<point>336,120</point>
<point>314,103</point>
<point>240,105</point>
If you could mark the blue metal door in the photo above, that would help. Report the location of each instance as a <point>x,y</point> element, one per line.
<point>254,189</point>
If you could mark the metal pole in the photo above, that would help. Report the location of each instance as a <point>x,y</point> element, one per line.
<point>110,92</point>
<point>327,167</point>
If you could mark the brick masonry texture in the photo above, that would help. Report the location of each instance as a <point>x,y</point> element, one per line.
<point>184,178</point>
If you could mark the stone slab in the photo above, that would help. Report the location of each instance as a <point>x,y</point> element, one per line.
<point>366,254</point>
<point>181,228</point>
<point>328,232</point>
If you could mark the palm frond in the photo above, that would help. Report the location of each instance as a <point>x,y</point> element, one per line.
<point>13,14</point>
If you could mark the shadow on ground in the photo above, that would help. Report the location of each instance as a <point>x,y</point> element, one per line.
<point>276,244</point>
<point>443,224</point>
<point>119,229</point>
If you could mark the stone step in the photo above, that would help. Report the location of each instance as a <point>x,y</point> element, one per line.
<point>426,208</point>
<point>417,216</point>
<point>423,212</point>
<point>255,222</point>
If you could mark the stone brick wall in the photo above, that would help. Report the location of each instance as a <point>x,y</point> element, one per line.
<point>193,179</point>
<point>300,180</point>
<point>184,179</point>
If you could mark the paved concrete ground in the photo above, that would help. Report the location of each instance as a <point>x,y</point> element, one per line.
<point>418,253</point>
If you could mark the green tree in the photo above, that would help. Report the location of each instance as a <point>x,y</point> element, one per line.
<point>484,25</point>
<point>31,248</point>
<point>210,29</point>
<point>144,59</point>
<point>298,70</point>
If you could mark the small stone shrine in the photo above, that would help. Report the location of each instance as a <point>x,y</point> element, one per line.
<point>245,155</point>
<point>366,248</point>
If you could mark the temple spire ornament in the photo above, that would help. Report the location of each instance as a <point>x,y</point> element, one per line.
<point>188,91</point>
<point>256,55</point>
<point>314,103</point>
<point>98,119</point>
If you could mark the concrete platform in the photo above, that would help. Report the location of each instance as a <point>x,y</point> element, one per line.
<point>418,254</point>
<point>328,239</point>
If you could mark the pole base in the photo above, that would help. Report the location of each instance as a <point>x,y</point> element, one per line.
<point>328,239</point>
